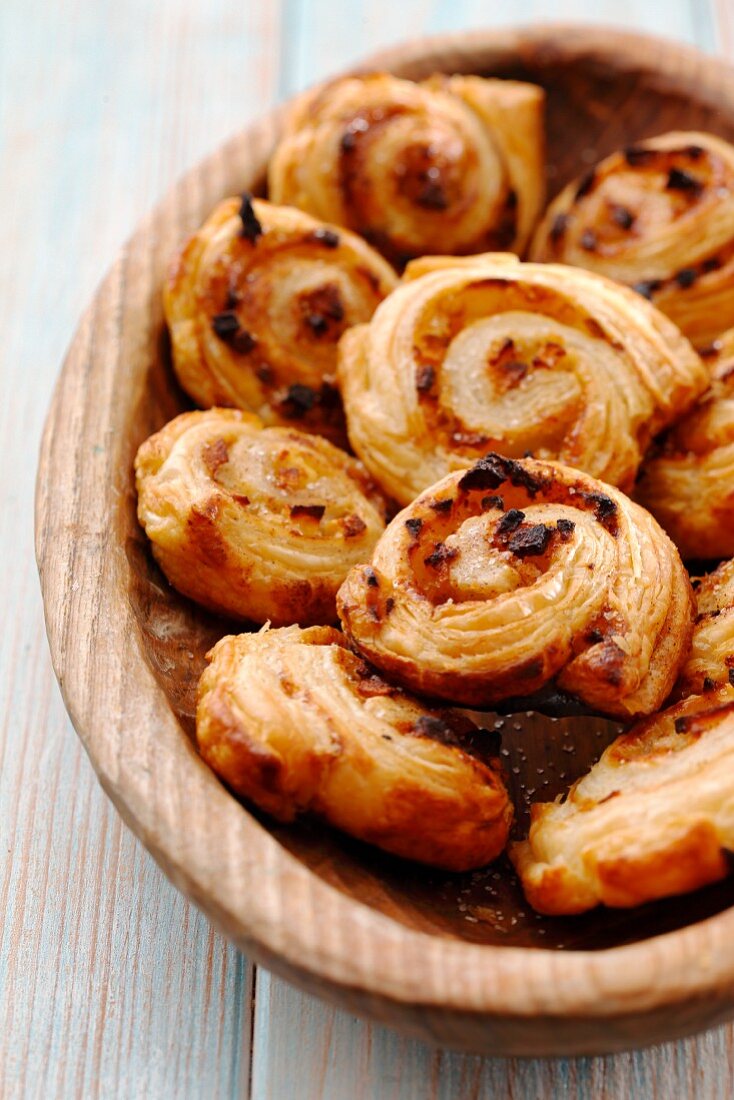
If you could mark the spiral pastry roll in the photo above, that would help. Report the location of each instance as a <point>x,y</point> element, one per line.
<point>295,722</point>
<point>687,481</point>
<point>658,216</point>
<point>486,353</point>
<point>653,817</point>
<point>259,523</point>
<point>511,575</point>
<point>452,165</point>
<point>256,302</point>
<point>710,663</point>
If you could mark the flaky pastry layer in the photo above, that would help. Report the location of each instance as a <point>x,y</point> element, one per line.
<point>658,216</point>
<point>653,817</point>
<point>487,354</point>
<point>514,574</point>
<point>454,164</point>
<point>256,302</point>
<point>687,479</point>
<point>259,523</point>
<point>295,722</point>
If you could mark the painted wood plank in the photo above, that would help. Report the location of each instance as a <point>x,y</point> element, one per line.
<point>302,1047</point>
<point>111,984</point>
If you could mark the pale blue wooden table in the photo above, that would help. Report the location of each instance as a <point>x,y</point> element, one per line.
<point>111,984</point>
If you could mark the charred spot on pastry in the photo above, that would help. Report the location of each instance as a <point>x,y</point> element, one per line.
<point>492,502</point>
<point>251,227</point>
<point>441,555</point>
<point>594,636</point>
<point>232,300</point>
<point>298,401</point>
<point>558,227</point>
<point>605,510</point>
<point>442,506</point>
<point>730,676</point>
<point>647,288</point>
<point>686,277</point>
<point>354,525</point>
<point>565,528</point>
<point>317,323</point>
<point>529,542</point>
<point>622,216</point>
<point>389,605</point>
<point>492,470</point>
<point>680,180</point>
<point>264,372</point>
<point>322,306</point>
<point>308,511</point>
<point>214,455</point>
<point>712,264</point>
<point>226,327</point>
<point>371,577</point>
<point>488,473</point>
<point>510,521</point>
<point>327,237</point>
<point>414,527</point>
<point>682,725</point>
<point>636,157</point>
<point>695,152</point>
<point>708,684</point>
<point>588,240</point>
<point>586,184</point>
<point>348,141</point>
<point>424,378</point>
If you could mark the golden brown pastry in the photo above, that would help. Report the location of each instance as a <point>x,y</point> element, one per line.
<point>653,817</point>
<point>687,480</point>
<point>451,165</point>
<point>514,574</point>
<point>487,354</point>
<point>259,523</point>
<point>295,722</point>
<point>710,663</point>
<point>256,302</point>
<point>658,216</point>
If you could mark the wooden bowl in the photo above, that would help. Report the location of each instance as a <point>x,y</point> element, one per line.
<point>456,959</point>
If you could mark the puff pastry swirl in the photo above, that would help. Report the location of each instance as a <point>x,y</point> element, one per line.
<point>259,523</point>
<point>295,722</point>
<point>658,216</point>
<point>710,663</point>
<point>256,302</point>
<point>653,817</point>
<point>513,574</point>
<point>687,480</point>
<point>451,165</point>
<point>487,353</point>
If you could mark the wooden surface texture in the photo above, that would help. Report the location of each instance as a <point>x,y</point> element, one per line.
<point>110,983</point>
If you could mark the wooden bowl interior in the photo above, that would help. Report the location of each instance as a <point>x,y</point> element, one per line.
<point>595,105</point>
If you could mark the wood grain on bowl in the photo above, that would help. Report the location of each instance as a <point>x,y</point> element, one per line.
<point>460,960</point>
